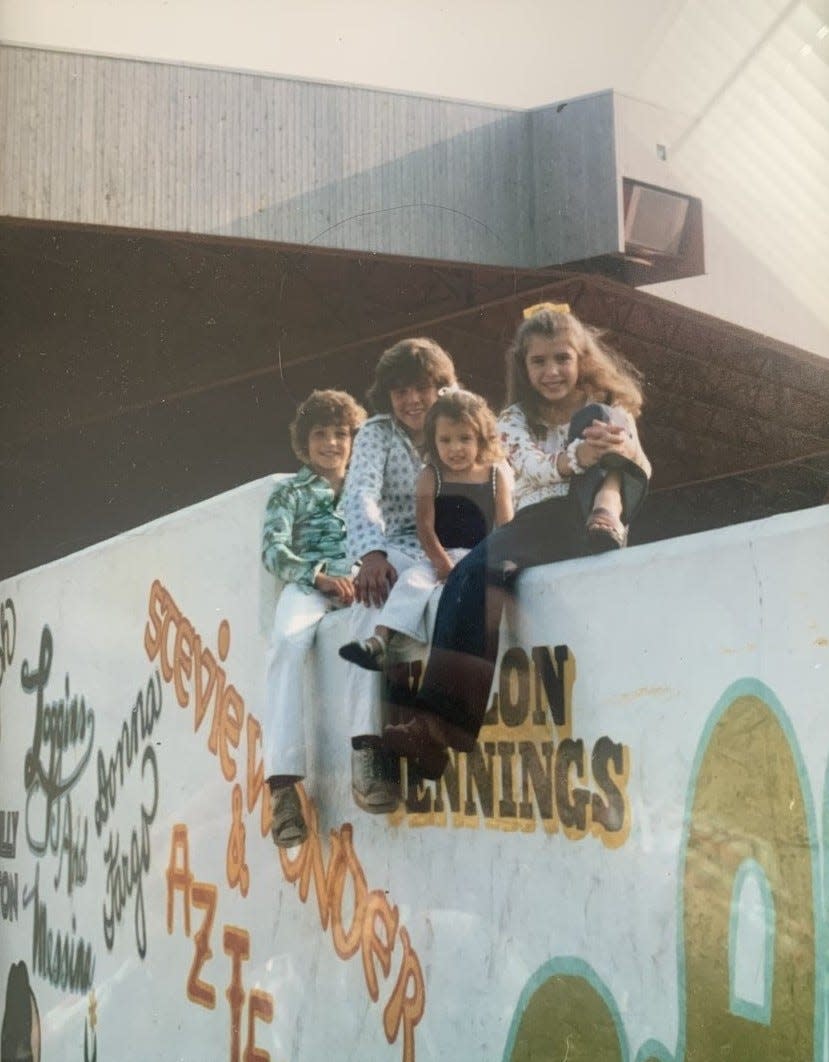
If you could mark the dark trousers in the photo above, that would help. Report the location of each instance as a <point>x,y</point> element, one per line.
<point>464,648</point>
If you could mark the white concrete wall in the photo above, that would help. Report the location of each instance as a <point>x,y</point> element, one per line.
<point>474,909</point>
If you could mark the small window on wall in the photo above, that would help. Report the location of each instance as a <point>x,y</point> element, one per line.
<point>662,233</point>
<point>751,944</point>
<point>654,221</point>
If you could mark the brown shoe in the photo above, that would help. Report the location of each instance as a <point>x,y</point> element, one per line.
<point>421,742</point>
<point>371,785</point>
<point>288,827</point>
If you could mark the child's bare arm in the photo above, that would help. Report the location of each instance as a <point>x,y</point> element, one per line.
<point>504,511</point>
<point>425,517</point>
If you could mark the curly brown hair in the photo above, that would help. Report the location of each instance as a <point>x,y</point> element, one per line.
<point>464,405</point>
<point>604,375</point>
<point>320,409</point>
<point>406,363</point>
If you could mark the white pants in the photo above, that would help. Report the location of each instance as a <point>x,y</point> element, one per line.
<point>295,625</point>
<point>408,602</point>
<point>363,690</point>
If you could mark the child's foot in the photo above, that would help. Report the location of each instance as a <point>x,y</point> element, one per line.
<point>288,827</point>
<point>415,741</point>
<point>370,654</point>
<point>605,531</point>
<point>372,785</point>
<point>509,572</point>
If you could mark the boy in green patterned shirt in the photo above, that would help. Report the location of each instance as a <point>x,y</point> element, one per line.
<point>303,545</point>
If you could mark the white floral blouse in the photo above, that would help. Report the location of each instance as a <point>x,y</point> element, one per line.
<point>379,492</point>
<point>533,459</point>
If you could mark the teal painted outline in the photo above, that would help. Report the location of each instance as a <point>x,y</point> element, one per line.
<point>825,898</point>
<point>571,967</point>
<point>654,1049</point>
<point>741,688</point>
<point>760,1012</point>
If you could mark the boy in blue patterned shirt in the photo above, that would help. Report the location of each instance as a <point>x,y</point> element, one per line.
<point>303,545</point>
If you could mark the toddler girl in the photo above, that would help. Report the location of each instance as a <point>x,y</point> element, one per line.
<point>460,495</point>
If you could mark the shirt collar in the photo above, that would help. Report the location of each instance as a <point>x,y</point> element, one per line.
<point>397,429</point>
<point>307,475</point>
<point>404,435</point>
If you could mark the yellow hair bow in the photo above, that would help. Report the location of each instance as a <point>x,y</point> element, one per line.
<point>550,307</point>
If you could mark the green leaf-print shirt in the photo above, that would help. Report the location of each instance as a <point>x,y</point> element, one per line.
<point>304,531</point>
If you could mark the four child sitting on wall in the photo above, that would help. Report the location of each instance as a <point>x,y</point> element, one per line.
<point>427,498</point>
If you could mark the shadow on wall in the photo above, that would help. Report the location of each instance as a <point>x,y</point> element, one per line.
<point>464,198</point>
<point>20,1038</point>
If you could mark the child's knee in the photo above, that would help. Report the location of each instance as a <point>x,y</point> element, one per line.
<point>298,639</point>
<point>585,416</point>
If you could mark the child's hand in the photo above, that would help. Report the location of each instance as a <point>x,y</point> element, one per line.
<point>339,586</point>
<point>600,439</point>
<point>375,579</point>
<point>443,566</point>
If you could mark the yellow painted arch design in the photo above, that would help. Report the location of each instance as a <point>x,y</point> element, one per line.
<point>748,804</point>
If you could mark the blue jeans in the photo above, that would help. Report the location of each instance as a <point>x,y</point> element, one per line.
<point>464,648</point>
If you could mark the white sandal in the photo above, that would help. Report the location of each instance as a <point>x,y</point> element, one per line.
<point>370,654</point>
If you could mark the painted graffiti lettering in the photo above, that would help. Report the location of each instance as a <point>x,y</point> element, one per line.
<point>63,727</point>
<point>8,635</point>
<point>513,785</point>
<point>72,844</point>
<point>8,833</point>
<point>238,872</point>
<point>134,732</point>
<point>374,925</point>
<point>527,768</point>
<point>8,896</point>
<point>187,658</point>
<point>200,681</point>
<point>125,870</point>
<point>204,897</point>
<point>534,694</point>
<point>609,762</point>
<point>235,944</point>
<point>65,961</point>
